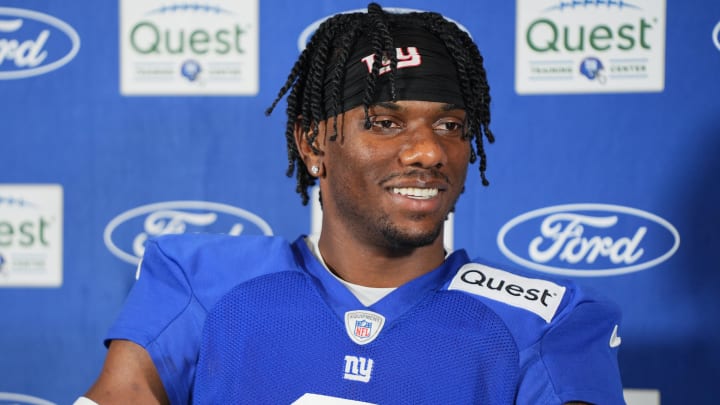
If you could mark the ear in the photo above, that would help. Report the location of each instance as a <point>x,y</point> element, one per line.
<point>311,154</point>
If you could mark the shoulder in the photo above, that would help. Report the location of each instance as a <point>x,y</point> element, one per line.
<point>531,305</point>
<point>567,335</point>
<point>500,288</point>
<point>196,245</point>
<point>220,251</point>
<point>180,278</point>
<point>209,264</point>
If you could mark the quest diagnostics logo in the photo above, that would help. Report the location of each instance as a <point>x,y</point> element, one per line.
<point>588,240</point>
<point>189,48</point>
<point>31,231</point>
<point>33,43</point>
<point>592,46</point>
<point>126,234</point>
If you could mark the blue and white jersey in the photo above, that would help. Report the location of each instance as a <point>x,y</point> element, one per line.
<point>259,320</point>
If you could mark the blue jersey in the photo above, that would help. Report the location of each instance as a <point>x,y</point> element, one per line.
<point>260,320</point>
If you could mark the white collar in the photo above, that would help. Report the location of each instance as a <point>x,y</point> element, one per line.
<point>366,295</point>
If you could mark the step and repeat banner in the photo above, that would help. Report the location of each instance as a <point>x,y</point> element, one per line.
<point>120,121</point>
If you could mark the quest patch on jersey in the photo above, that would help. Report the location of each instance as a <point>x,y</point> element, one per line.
<point>363,326</point>
<point>540,297</point>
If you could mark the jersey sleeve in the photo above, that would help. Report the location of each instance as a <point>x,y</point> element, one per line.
<point>576,359</point>
<point>160,308</point>
<point>180,279</point>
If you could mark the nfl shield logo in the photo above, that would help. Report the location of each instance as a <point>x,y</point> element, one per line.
<point>363,326</point>
<point>363,329</point>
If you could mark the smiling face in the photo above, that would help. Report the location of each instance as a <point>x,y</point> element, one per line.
<point>393,185</point>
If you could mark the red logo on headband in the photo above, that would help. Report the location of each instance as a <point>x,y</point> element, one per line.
<point>406,57</point>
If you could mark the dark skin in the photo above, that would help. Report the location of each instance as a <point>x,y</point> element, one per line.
<point>386,192</point>
<point>128,377</point>
<point>388,189</point>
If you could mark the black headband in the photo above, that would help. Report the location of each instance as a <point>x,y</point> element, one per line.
<point>425,72</point>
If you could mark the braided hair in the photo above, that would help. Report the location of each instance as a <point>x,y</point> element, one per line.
<point>318,76</point>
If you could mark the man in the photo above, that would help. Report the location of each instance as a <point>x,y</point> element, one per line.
<point>385,111</point>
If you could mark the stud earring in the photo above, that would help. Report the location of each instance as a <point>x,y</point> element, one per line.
<point>315,170</point>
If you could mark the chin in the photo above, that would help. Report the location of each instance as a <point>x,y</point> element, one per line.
<point>408,240</point>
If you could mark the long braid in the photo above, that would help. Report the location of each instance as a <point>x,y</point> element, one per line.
<point>337,81</point>
<point>314,85</point>
<point>473,84</point>
<point>381,45</point>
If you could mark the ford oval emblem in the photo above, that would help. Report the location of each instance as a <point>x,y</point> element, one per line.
<point>588,240</point>
<point>21,399</point>
<point>126,234</point>
<point>33,43</point>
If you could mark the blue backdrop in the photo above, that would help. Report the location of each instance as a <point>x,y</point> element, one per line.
<point>123,120</point>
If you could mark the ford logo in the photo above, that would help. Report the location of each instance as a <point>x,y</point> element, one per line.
<point>310,30</point>
<point>126,234</point>
<point>588,240</point>
<point>21,399</point>
<point>33,43</point>
<point>716,35</point>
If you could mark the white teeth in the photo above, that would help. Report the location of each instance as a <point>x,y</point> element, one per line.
<point>418,193</point>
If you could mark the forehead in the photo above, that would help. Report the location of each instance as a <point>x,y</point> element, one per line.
<point>404,105</point>
<point>408,107</point>
<point>405,110</point>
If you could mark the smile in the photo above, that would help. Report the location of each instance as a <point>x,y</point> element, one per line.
<point>416,193</point>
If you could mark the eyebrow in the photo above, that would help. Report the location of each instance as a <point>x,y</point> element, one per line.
<point>387,104</point>
<point>395,107</point>
<point>450,107</point>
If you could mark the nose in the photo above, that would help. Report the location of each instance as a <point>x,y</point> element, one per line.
<point>422,148</point>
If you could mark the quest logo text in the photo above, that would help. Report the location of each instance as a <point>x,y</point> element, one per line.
<point>187,48</point>
<point>593,46</point>
<point>31,232</point>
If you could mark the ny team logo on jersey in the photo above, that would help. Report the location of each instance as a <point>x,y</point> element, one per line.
<point>363,326</point>
<point>358,368</point>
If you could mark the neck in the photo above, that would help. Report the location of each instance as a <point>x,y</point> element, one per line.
<point>373,265</point>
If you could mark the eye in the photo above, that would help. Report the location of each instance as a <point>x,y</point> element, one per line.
<point>449,128</point>
<point>452,126</point>
<point>383,124</point>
